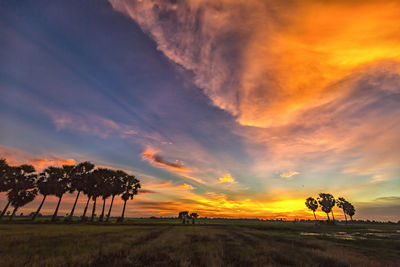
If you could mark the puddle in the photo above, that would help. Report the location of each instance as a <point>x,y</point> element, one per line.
<point>339,235</point>
<point>310,234</point>
<point>382,234</point>
<point>372,233</point>
<point>342,235</point>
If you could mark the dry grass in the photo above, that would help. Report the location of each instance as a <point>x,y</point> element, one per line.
<point>176,245</point>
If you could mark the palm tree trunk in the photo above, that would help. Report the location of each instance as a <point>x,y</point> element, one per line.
<point>123,211</point>
<point>102,212</point>
<point>328,217</point>
<point>85,210</point>
<point>40,207</point>
<point>5,210</point>
<point>315,217</point>
<point>345,217</point>
<point>351,217</point>
<point>12,215</point>
<point>56,211</point>
<point>109,210</point>
<point>73,207</point>
<point>192,220</point>
<point>333,217</point>
<point>94,209</point>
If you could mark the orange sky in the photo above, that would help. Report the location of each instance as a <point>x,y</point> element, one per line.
<point>297,98</point>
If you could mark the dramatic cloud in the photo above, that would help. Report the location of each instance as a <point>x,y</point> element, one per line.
<point>315,80</point>
<point>241,97</point>
<point>267,62</point>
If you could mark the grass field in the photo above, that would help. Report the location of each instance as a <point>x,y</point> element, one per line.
<point>211,243</point>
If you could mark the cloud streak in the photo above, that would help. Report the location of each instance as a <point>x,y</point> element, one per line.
<point>156,159</point>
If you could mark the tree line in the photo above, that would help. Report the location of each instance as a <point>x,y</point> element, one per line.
<point>23,184</point>
<point>327,202</point>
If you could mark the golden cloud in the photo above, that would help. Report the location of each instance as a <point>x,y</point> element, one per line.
<point>227,179</point>
<point>289,174</point>
<point>312,77</point>
<point>267,62</point>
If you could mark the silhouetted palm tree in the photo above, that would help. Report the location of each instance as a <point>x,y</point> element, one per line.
<point>116,188</point>
<point>342,203</point>
<point>183,215</point>
<point>105,188</point>
<point>45,188</point>
<point>57,179</point>
<point>194,216</point>
<point>312,204</point>
<point>23,188</point>
<point>95,179</point>
<point>130,188</point>
<point>78,181</point>
<point>327,202</point>
<point>5,182</point>
<point>87,191</point>
<point>350,210</point>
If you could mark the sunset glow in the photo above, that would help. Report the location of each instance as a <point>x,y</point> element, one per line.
<point>227,108</point>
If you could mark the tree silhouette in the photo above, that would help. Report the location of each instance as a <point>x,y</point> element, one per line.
<point>57,179</point>
<point>194,216</point>
<point>87,191</point>
<point>130,188</point>
<point>327,202</point>
<point>105,188</point>
<point>350,210</point>
<point>78,181</point>
<point>45,188</point>
<point>116,188</point>
<point>95,179</point>
<point>343,203</point>
<point>183,215</point>
<point>5,182</point>
<point>22,185</point>
<point>23,188</point>
<point>312,204</point>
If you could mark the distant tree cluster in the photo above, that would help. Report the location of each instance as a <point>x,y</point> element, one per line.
<point>185,216</point>
<point>327,202</point>
<point>22,184</point>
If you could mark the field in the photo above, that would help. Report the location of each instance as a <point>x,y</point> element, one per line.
<point>209,243</point>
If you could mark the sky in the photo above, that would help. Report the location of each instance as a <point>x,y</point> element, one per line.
<point>227,108</point>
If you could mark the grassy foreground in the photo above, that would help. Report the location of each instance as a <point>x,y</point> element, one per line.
<point>170,244</point>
